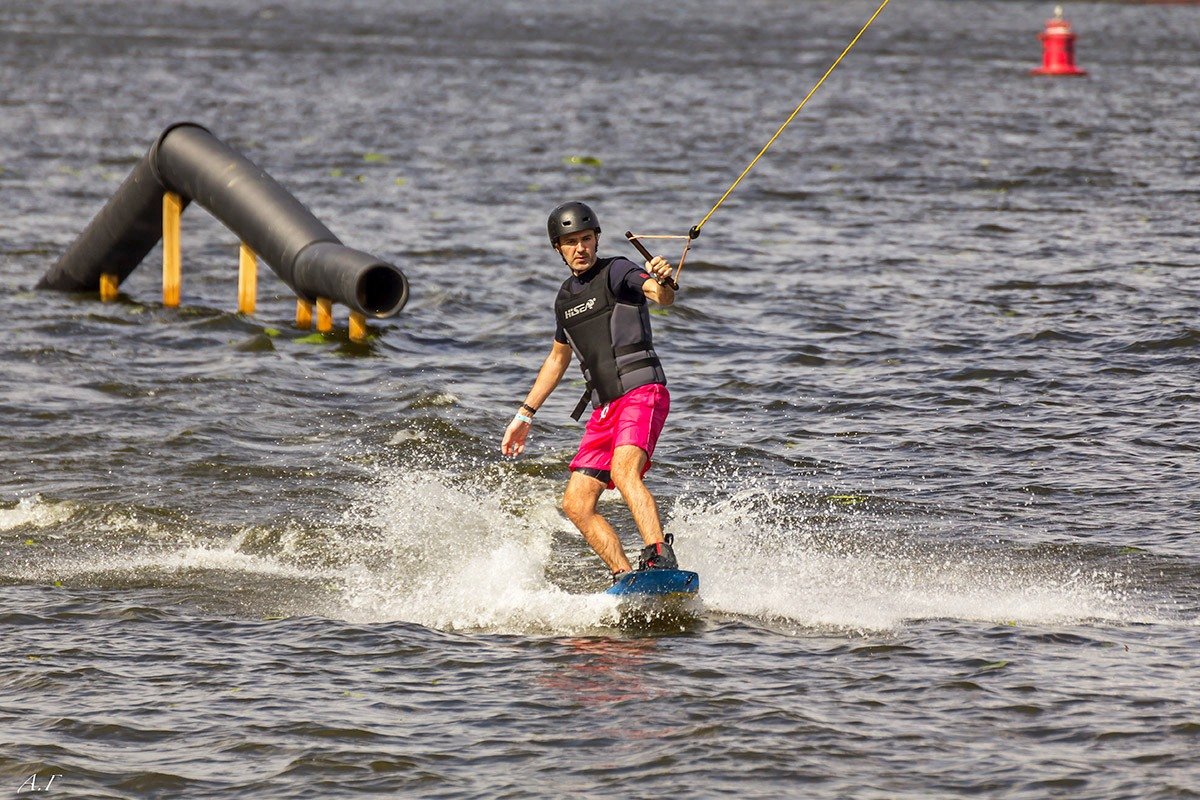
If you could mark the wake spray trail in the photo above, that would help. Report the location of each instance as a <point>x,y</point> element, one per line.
<point>432,548</point>
<point>865,572</point>
<point>448,550</point>
<point>462,547</point>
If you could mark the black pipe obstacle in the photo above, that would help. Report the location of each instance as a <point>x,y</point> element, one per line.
<point>192,163</point>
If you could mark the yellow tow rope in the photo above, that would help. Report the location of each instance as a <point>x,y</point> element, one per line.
<point>695,231</point>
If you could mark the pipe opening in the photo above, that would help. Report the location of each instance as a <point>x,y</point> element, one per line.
<point>382,290</point>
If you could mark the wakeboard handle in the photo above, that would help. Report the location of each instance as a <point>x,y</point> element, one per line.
<point>667,281</point>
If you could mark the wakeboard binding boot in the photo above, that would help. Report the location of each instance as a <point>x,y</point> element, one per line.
<point>659,555</point>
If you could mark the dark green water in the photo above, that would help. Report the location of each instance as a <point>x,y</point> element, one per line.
<point>933,433</point>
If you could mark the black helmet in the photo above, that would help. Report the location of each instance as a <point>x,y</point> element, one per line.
<point>569,218</point>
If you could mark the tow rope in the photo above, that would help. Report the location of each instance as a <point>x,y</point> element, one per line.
<point>695,230</point>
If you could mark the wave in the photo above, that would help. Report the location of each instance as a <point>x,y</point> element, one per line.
<point>458,546</point>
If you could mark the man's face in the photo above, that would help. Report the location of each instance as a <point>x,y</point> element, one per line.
<point>578,250</point>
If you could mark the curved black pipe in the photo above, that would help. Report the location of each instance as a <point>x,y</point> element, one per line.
<point>117,239</point>
<point>330,270</point>
<point>190,161</point>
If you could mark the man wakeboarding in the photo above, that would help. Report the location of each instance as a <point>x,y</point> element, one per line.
<point>602,316</point>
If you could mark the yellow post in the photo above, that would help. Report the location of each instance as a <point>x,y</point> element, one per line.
<point>303,314</point>
<point>247,280</point>
<point>358,326</point>
<point>108,287</point>
<point>172,260</point>
<point>324,314</point>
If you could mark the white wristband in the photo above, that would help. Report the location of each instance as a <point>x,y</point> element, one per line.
<point>528,420</point>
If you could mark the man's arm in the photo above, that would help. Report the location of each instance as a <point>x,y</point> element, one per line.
<point>660,293</point>
<point>548,377</point>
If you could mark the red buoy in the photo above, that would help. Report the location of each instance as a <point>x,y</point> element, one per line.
<point>1058,47</point>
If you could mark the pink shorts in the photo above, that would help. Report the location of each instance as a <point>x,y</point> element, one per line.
<point>635,418</point>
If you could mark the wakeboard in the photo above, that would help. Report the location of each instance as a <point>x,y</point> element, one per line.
<point>657,584</point>
<point>658,600</point>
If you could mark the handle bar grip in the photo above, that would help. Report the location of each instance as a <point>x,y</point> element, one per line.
<point>668,281</point>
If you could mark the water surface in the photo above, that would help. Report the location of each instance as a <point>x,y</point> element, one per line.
<point>932,444</point>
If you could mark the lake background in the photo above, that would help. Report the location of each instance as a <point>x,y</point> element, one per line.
<point>933,434</point>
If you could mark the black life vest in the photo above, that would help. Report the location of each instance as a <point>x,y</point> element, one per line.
<point>610,337</point>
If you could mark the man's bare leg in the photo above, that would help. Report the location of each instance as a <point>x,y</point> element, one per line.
<point>579,504</point>
<point>627,463</point>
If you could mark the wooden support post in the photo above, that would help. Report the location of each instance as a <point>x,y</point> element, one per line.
<point>172,259</point>
<point>324,314</point>
<point>358,326</point>
<point>247,280</point>
<point>303,314</point>
<point>109,286</point>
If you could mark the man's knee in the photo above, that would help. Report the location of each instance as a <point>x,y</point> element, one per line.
<point>578,506</point>
<point>627,467</point>
<point>626,478</point>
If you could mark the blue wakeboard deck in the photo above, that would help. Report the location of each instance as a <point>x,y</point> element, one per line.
<point>656,584</point>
